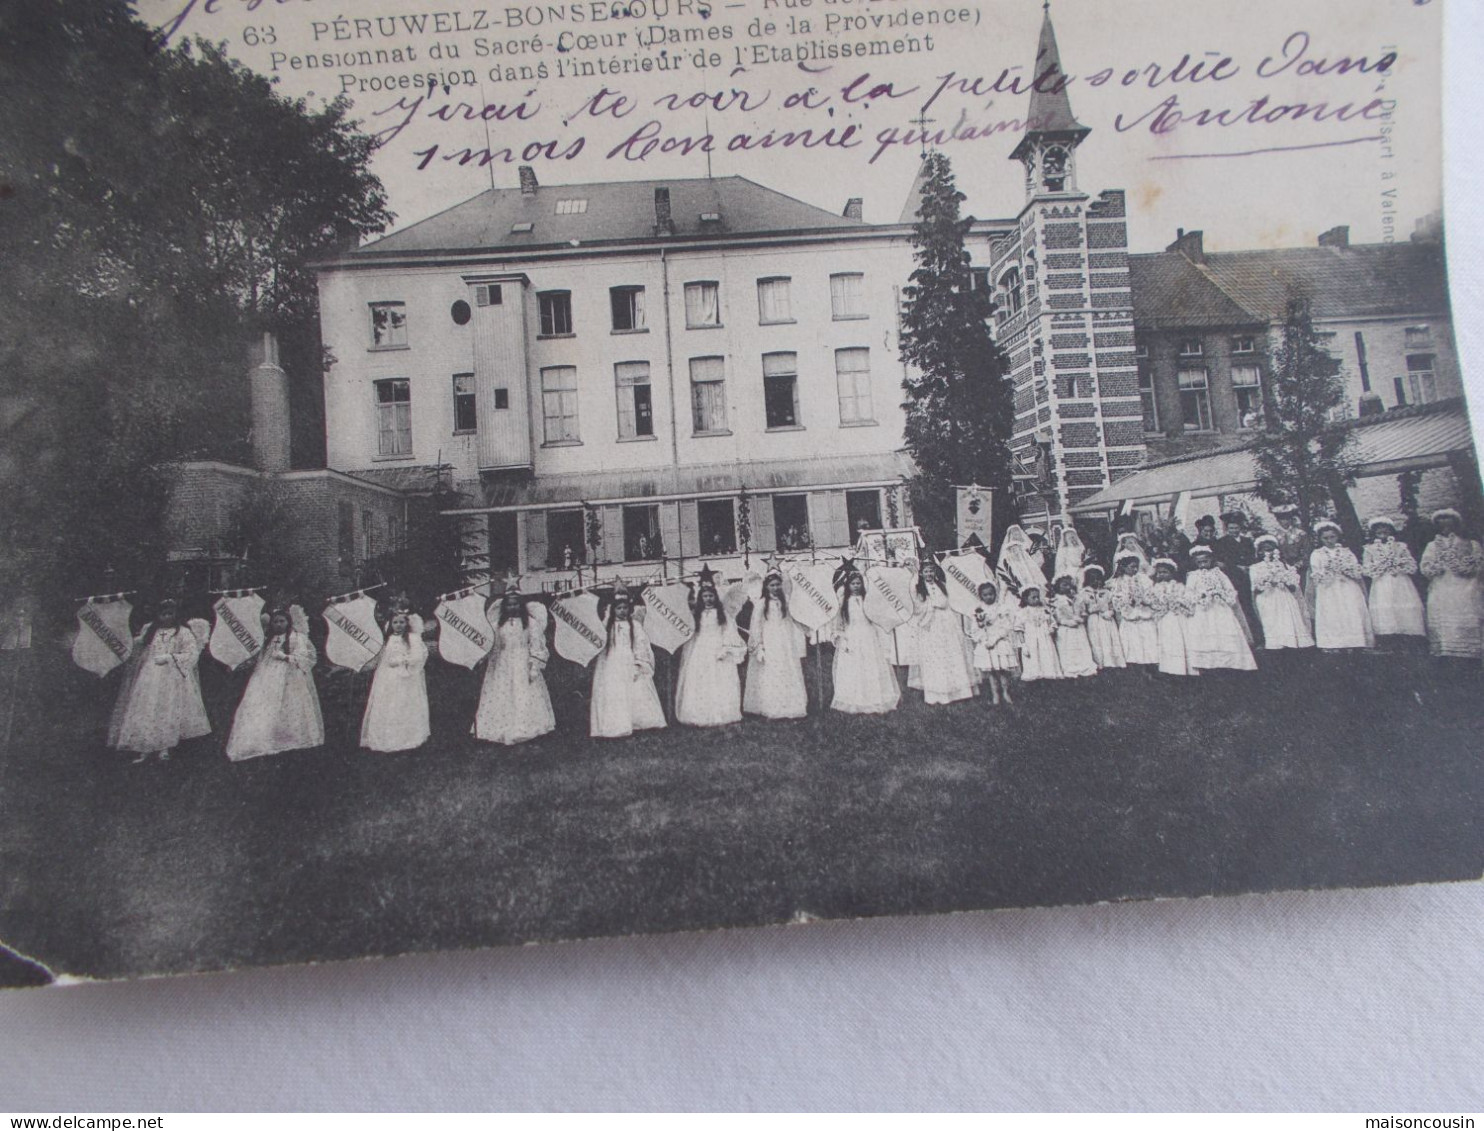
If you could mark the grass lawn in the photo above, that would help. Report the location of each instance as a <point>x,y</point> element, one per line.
<point>1318,771</point>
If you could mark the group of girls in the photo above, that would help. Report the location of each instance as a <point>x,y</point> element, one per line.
<point>1080,624</point>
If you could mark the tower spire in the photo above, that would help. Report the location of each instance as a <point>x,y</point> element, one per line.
<point>1052,131</point>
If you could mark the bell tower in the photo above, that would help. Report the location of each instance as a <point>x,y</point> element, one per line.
<point>1048,148</point>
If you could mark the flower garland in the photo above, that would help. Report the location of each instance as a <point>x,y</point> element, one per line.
<point>1170,597</point>
<point>1388,559</point>
<point>1452,554</point>
<point>1335,564</point>
<point>1274,575</point>
<point>1210,587</point>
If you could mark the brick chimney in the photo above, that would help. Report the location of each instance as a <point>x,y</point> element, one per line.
<point>528,185</point>
<point>270,406</point>
<point>1192,245</point>
<point>854,208</point>
<point>1336,237</point>
<point>664,222</point>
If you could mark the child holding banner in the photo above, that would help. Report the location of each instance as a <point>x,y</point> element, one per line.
<point>514,704</point>
<point>776,649</point>
<point>159,705</point>
<point>624,698</point>
<point>942,672</point>
<point>397,709</point>
<point>709,692</point>
<point>280,708</point>
<point>865,683</point>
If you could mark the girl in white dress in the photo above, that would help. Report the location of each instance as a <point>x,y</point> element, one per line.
<point>1071,555</point>
<point>1133,602</point>
<point>1015,564</point>
<point>1452,565</point>
<point>624,698</point>
<point>1095,603</point>
<point>159,705</point>
<point>709,692</point>
<point>1035,631</point>
<point>1341,619</point>
<point>1394,603</point>
<point>1214,637</point>
<point>280,708</point>
<point>1276,593</point>
<point>865,683</point>
<point>992,629</point>
<point>396,715</point>
<point>1073,649</point>
<point>1170,603</point>
<point>775,648</point>
<point>514,705</point>
<point>943,672</point>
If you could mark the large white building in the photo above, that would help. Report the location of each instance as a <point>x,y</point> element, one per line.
<point>632,375</point>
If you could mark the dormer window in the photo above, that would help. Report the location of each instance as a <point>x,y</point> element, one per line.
<point>1192,347</point>
<point>1243,345</point>
<point>522,228</point>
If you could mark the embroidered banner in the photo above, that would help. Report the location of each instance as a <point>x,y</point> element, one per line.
<point>355,638</point>
<point>670,623</point>
<point>580,632</point>
<point>889,596</point>
<point>962,576</point>
<point>237,635</point>
<point>103,639</point>
<point>812,601</point>
<point>465,631</point>
<point>975,505</point>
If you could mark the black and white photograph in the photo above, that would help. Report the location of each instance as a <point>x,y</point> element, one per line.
<point>489,475</point>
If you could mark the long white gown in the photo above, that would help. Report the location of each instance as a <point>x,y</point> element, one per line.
<point>624,698</point>
<point>1213,634</point>
<point>775,665</point>
<point>1035,626</point>
<point>396,715</point>
<point>1137,632</point>
<point>1096,607</point>
<point>159,705</point>
<point>942,673</point>
<point>1275,593</point>
<point>1394,603</point>
<point>865,683</point>
<point>1455,597</point>
<point>514,704</point>
<point>709,690</point>
<point>280,708</point>
<point>992,630</point>
<point>1172,608</point>
<point>1073,648</point>
<point>1341,619</point>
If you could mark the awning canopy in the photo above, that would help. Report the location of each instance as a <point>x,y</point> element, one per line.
<point>696,481</point>
<point>1404,440</point>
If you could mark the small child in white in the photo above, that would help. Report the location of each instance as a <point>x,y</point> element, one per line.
<point>1035,629</point>
<point>992,630</point>
<point>1095,603</point>
<point>1133,597</point>
<point>1073,649</point>
<point>624,698</point>
<point>1276,594</point>
<point>1172,608</point>
<point>1394,603</point>
<point>1214,636</point>
<point>1341,619</point>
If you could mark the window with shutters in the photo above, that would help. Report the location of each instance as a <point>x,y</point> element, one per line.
<point>635,407</point>
<point>853,381</point>
<point>718,526</point>
<point>559,404</point>
<point>1247,385</point>
<point>566,539</point>
<point>394,418</point>
<point>464,417</point>
<point>847,296</point>
<point>388,325</point>
<point>641,534</point>
<point>556,313</point>
<point>489,294</point>
<point>627,305</point>
<point>774,302</point>
<point>708,396</point>
<point>791,522</point>
<point>781,389</point>
<point>702,305</point>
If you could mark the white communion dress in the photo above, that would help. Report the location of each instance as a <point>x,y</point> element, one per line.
<point>709,690</point>
<point>159,704</point>
<point>865,683</point>
<point>943,672</point>
<point>1275,593</point>
<point>775,670</point>
<point>514,704</point>
<point>624,698</point>
<point>397,709</point>
<point>280,708</point>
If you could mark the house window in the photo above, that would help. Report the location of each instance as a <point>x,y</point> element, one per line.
<point>489,294</point>
<point>774,302</point>
<point>635,409</point>
<point>394,417</point>
<point>791,522</point>
<point>708,394</point>
<point>1418,337</point>
<point>502,398</point>
<point>628,308</point>
<point>464,418</point>
<point>863,511</point>
<point>847,295</point>
<point>388,325</point>
<point>853,380</point>
<point>979,279</point>
<point>1195,400</point>
<point>566,539</point>
<point>641,534</point>
<point>702,305</point>
<point>1141,351</point>
<point>556,313</point>
<point>1244,345</point>
<point>1247,384</point>
<point>559,404</point>
<point>781,389</point>
<point>1147,400</point>
<point>718,526</point>
<point>1191,347</point>
<point>1421,377</point>
<point>1012,293</point>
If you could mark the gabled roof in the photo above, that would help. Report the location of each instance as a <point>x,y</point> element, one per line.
<point>611,212</point>
<point>1171,292</point>
<point>1051,106</point>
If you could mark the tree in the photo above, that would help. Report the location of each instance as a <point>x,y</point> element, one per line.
<point>959,400</point>
<point>1303,456</point>
<point>156,208</point>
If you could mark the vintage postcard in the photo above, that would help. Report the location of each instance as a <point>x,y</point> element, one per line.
<point>491,473</point>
